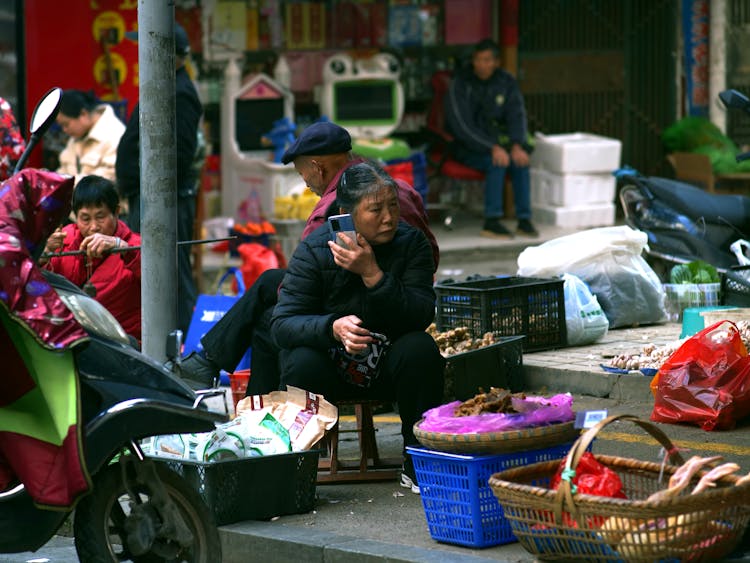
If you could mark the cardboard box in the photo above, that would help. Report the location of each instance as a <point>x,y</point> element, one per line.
<point>576,152</point>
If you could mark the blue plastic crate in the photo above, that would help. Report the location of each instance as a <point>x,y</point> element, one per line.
<point>458,502</point>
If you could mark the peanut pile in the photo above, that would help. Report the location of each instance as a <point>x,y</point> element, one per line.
<point>458,340</point>
<point>653,356</point>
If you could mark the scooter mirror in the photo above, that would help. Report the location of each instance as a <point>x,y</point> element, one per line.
<point>734,99</point>
<point>44,114</point>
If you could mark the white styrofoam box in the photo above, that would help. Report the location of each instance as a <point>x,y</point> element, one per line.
<point>575,216</point>
<point>549,188</point>
<point>576,152</point>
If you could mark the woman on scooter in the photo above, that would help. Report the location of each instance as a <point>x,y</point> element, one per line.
<point>115,277</point>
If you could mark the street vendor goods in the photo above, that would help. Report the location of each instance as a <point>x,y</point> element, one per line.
<point>458,340</point>
<point>277,423</point>
<point>497,422</point>
<point>692,510</point>
<point>519,411</point>
<point>706,381</point>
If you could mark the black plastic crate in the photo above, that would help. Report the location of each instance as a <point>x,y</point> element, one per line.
<point>735,287</point>
<point>507,306</point>
<point>497,365</point>
<point>254,488</point>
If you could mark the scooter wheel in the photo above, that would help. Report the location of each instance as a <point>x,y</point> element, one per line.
<point>107,519</point>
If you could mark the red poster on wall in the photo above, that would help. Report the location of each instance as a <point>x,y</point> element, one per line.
<point>81,44</point>
<point>114,69</point>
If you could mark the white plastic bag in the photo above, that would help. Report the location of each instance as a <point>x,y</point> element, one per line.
<point>739,247</point>
<point>584,319</point>
<point>609,261</point>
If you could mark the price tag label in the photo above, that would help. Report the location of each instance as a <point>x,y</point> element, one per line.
<point>587,419</point>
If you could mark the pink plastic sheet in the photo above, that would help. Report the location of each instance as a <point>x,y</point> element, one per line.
<point>532,412</point>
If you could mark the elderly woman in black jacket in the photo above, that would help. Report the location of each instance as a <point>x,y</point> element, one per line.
<point>339,302</point>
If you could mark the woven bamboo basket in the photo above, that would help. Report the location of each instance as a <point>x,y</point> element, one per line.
<point>561,525</point>
<point>498,442</point>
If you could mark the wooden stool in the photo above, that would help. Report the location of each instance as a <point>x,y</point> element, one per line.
<point>370,466</point>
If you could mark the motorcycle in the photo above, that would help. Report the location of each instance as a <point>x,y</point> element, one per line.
<point>683,222</point>
<point>128,506</point>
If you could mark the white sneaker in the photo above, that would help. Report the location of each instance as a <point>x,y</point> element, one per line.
<point>409,483</point>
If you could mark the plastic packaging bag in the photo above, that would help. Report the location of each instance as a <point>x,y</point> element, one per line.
<point>738,248</point>
<point>609,261</point>
<point>256,259</point>
<point>584,318</point>
<point>591,478</point>
<point>532,412</point>
<point>706,381</point>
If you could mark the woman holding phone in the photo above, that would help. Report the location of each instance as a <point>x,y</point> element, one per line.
<point>351,318</point>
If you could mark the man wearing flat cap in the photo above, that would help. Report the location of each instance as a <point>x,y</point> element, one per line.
<point>320,155</point>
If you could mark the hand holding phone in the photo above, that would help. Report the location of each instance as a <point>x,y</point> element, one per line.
<point>342,224</point>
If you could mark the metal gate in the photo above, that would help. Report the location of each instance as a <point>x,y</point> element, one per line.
<point>604,67</point>
<point>738,65</point>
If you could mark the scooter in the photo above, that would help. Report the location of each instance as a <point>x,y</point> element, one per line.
<point>683,222</point>
<point>136,508</point>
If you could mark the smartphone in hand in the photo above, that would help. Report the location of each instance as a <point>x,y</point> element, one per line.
<point>342,224</point>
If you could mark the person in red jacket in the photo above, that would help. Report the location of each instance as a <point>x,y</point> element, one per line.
<point>113,275</point>
<point>12,144</point>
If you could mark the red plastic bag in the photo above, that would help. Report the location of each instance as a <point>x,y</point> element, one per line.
<point>592,478</point>
<point>706,381</point>
<point>256,259</point>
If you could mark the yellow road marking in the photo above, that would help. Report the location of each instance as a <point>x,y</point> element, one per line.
<point>689,444</point>
<point>376,418</point>
<point>615,437</point>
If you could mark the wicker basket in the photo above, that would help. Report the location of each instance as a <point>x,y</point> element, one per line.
<point>558,525</point>
<point>498,442</point>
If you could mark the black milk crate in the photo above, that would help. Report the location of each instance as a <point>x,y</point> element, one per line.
<point>506,306</point>
<point>497,365</point>
<point>253,488</point>
<point>735,286</point>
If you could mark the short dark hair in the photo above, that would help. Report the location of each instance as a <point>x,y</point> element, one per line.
<point>93,191</point>
<point>73,102</point>
<point>487,45</point>
<point>361,180</point>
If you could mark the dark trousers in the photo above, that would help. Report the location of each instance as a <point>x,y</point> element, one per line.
<point>187,293</point>
<point>412,374</point>
<point>246,324</point>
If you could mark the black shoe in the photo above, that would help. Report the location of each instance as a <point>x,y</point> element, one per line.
<point>494,228</point>
<point>525,227</point>
<point>409,476</point>
<point>197,371</point>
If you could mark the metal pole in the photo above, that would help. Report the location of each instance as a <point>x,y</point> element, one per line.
<point>717,70</point>
<point>156,77</point>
